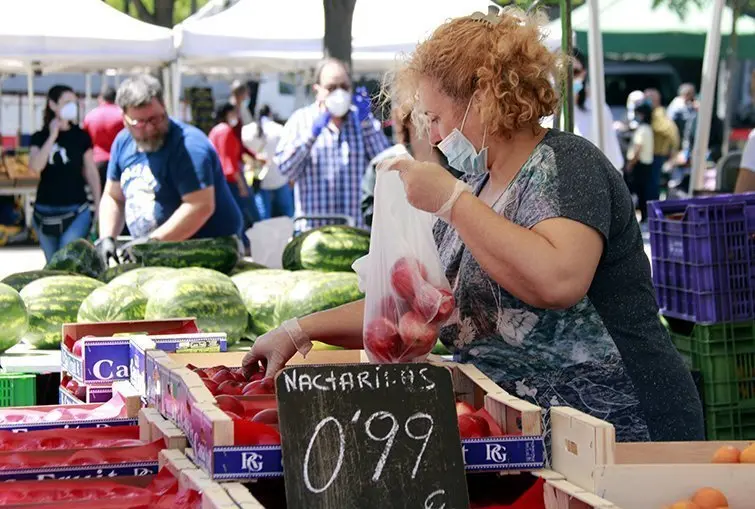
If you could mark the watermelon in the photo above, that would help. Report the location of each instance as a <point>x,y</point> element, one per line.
<point>20,279</point>
<point>260,290</point>
<point>80,256</point>
<point>216,307</point>
<point>115,271</point>
<point>328,248</point>
<point>13,318</point>
<point>113,303</point>
<point>51,302</point>
<point>245,266</point>
<point>219,253</point>
<point>317,293</point>
<point>212,274</point>
<point>140,276</point>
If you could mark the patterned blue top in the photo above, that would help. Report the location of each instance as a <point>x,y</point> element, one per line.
<point>608,356</point>
<point>328,169</point>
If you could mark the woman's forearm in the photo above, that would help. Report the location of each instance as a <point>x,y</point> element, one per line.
<point>522,261</point>
<point>341,326</point>
<point>38,161</point>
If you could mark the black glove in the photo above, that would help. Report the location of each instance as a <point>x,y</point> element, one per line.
<point>127,255</point>
<point>106,247</point>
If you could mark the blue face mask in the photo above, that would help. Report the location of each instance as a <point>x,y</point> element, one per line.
<point>577,86</point>
<point>460,152</point>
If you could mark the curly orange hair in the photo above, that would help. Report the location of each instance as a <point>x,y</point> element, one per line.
<point>501,59</point>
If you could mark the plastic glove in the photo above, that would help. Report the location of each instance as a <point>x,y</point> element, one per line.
<point>126,254</point>
<point>362,102</point>
<point>276,347</point>
<point>428,186</point>
<point>106,248</point>
<point>320,123</point>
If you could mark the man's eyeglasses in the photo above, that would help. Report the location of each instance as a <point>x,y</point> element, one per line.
<point>154,121</point>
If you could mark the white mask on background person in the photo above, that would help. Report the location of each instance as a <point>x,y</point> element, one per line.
<point>338,102</point>
<point>233,122</point>
<point>460,152</point>
<point>69,112</point>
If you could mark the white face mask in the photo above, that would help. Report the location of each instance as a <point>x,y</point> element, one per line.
<point>338,102</point>
<point>69,112</point>
<point>233,122</point>
<point>460,152</point>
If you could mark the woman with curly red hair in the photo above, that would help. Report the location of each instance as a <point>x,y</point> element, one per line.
<point>539,240</point>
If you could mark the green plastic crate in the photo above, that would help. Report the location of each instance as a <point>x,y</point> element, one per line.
<point>730,423</point>
<point>725,356</point>
<point>18,389</point>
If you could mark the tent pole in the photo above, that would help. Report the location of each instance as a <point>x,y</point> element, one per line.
<point>567,109</point>
<point>731,71</point>
<point>30,94</point>
<point>175,81</point>
<point>597,81</point>
<point>87,91</point>
<point>707,91</point>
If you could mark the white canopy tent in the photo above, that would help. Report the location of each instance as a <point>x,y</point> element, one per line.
<point>77,35</point>
<point>268,36</point>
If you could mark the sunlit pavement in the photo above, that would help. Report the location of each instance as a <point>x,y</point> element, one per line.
<point>20,258</point>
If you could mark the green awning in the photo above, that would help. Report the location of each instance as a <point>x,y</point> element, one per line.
<point>632,29</point>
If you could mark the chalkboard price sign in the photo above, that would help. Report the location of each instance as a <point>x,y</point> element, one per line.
<point>361,435</point>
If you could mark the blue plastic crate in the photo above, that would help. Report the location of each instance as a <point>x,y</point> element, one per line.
<point>703,256</point>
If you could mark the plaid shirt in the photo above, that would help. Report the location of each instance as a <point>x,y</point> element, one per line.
<point>328,169</point>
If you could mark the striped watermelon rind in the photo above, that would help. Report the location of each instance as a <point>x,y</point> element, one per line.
<point>218,253</point>
<point>209,273</point>
<point>113,304</point>
<point>139,277</point>
<point>328,248</point>
<point>115,271</point>
<point>260,290</point>
<point>317,293</point>
<point>20,279</point>
<point>14,320</point>
<point>80,256</point>
<point>246,266</point>
<point>217,307</point>
<point>51,302</point>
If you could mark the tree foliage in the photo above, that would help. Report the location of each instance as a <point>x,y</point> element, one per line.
<point>681,7</point>
<point>160,12</point>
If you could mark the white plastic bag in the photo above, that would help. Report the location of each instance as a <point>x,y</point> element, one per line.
<point>407,294</point>
<point>268,239</point>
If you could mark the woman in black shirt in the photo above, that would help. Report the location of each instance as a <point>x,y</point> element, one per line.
<point>62,153</point>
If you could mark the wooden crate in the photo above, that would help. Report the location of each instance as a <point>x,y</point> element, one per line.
<point>515,416</point>
<point>647,475</point>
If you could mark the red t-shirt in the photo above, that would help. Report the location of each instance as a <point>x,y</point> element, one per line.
<point>229,149</point>
<point>103,124</point>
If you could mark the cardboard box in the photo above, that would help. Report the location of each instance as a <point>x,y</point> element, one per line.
<point>106,358</point>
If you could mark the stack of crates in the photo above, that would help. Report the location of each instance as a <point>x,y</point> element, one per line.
<point>703,257</point>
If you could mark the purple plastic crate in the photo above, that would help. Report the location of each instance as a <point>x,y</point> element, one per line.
<point>703,256</point>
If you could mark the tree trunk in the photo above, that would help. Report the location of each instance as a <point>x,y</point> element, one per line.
<point>164,13</point>
<point>337,41</point>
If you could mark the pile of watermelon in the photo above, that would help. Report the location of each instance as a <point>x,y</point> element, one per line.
<point>202,278</point>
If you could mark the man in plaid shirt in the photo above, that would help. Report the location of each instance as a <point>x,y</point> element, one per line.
<point>326,146</point>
